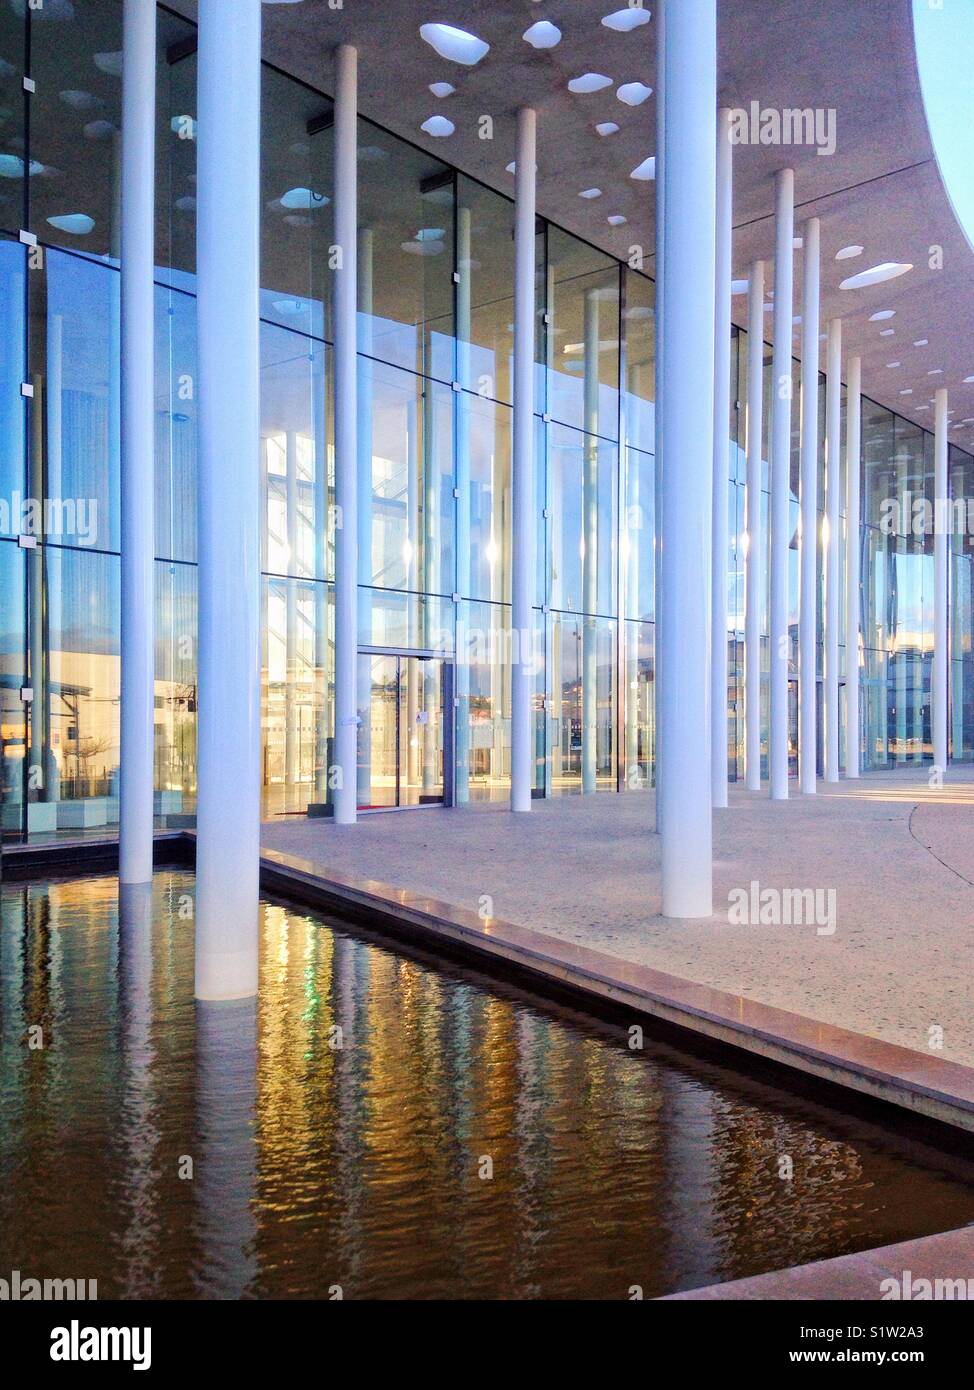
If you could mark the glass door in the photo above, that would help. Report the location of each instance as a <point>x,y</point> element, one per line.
<point>401,755</point>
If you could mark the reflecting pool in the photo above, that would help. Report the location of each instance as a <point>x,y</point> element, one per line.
<point>380,1125</point>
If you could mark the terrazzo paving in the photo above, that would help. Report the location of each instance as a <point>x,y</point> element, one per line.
<point>898,854</point>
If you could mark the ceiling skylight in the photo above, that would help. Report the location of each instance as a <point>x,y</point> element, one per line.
<point>76,223</point>
<point>305,198</point>
<point>881,314</point>
<point>589,82</point>
<point>646,170</point>
<point>616,219</point>
<point>606,127</point>
<point>438,126</point>
<point>543,34</point>
<point>456,45</point>
<point>634,93</point>
<point>624,21</point>
<point>849,253</point>
<point>590,193</point>
<point>876,275</point>
<point>442,89</point>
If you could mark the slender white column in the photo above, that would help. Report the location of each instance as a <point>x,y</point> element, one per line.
<point>808,493</point>
<point>365,503</point>
<point>781,482</point>
<point>853,443</point>
<point>138,423</point>
<point>938,682</point>
<point>590,544</point>
<point>463,331</point>
<point>722,346</point>
<point>228,256</point>
<point>660,238</point>
<point>833,515</point>
<point>686,399</point>
<point>523,519</point>
<point>346,434</point>
<point>754,528</point>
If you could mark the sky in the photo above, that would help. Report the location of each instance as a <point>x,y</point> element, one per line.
<point>944,32</point>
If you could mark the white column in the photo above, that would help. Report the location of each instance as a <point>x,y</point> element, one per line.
<point>754,528</point>
<point>365,502</point>
<point>138,423</point>
<point>853,439</point>
<point>463,331</point>
<point>938,681</point>
<point>833,515</point>
<point>660,240</point>
<point>590,543</point>
<point>686,399</point>
<point>346,433</point>
<point>523,519</point>
<point>228,257</point>
<point>722,344</point>
<point>780,482</point>
<point>808,495</point>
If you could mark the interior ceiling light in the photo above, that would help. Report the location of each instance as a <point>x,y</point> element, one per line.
<point>607,127</point>
<point>442,89</point>
<point>77,223</point>
<point>79,101</point>
<point>887,332</point>
<point>589,82</point>
<point>624,21</point>
<point>849,253</point>
<point>430,234</point>
<point>646,170</point>
<point>936,371</point>
<point>921,342</point>
<point>456,45</point>
<point>372,154</point>
<point>881,314</point>
<point>798,243</point>
<point>12,166</point>
<point>109,63</point>
<point>892,364</point>
<point>543,34</point>
<point>590,193</point>
<point>740,286</point>
<point>634,93</point>
<point>99,130</point>
<point>616,219</point>
<point>438,126</point>
<point>907,391</point>
<point>876,275</point>
<point>187,204</point>
<point>305,198</point>
<point>422,248</point>
<point>968,379</point>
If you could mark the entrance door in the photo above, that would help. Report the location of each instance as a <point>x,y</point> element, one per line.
<point>402,753</point>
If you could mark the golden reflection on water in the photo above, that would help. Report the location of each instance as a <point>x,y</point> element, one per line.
<point>387,1127</point>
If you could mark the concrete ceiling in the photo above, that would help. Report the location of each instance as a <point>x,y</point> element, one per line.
<point>880,189</point>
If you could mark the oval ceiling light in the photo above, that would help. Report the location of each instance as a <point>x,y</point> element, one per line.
<point>305,198</point>
<point>76,223</point>
<point>907,391</point>
<point>543,34</point>
<point>936,371</point>
<point>442,89</point>
<point>968,379</point>
<point>616,219</point>
<point>589,82</point>
<point>109,63</point>
<point>430,234</point>
<point>887,332</point>
<point>646,170</point>
<point>606,128</point>
<point>438,126</point>
<point>892,364</point>
<point>921,342</point>
<point>186,204</point>
<point>740,286</point>
<point>12,166</point>
<point>456,45</point>
<point>881,314</point>
<point>99,130</point>
<point>79,101</point>
<point>624,21</point>
<point>634,93</point>
<point>876,275</point>
<point>590,193</point>
<point>849,253</point>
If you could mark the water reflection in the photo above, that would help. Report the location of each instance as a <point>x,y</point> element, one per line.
<point>377,1126</point>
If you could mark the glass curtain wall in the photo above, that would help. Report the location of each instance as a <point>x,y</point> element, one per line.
<point>435,292</point>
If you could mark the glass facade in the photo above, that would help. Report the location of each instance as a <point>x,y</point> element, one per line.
<point>436,269</point>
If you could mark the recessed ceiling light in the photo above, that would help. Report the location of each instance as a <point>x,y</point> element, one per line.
<point>848,253</point>
<point>438,126</point>
<point>968,379</point>
<point>798,243</point>
<point>590,193</point>
<point>892,364</point>
<point>624,21</point>
<point>876,275</point>
<point>543,34</point>
<point>456,45</point>
<point>887,332</point>
<point>430,234</point>
<point>740,286</point>
<point>646,170</point>
<point>442,89</point>
<point>303,198</point>
<point>881,314</point>
<point>634,93</point>
<point>110,63</point>
<point>907,391</point>
<point>936,371</point>
<point>607,127</point>
<point>918,408</point>
<point>79,101</point>
<point>921,342</point>
<point>77,223</point>
<point>616,220</point>
<point>99,130</point>
<point>589,82</point>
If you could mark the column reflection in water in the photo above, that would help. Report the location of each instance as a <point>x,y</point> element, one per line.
<point>138,1116</point>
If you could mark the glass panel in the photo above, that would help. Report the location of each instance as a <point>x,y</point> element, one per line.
<point>640,329</point>
<point>75,125</point>
<point>406,204</point>
<point>485,304</point>
<point>298,716</point>
<point>176,424</point>
<point>581,525</point>
<point>639,542</point>
<point>175,699</point>
<point>640,750</point>
<point>583,336</point>
<point>379,738</point>
<point>176,154</point>
<point>484,507</point>
<point>293,430</point>
<point>581,704</point>
<point>13,679</point>
<point>13,407</point>
<point>13,37</point>
<point>483,710</point>
<point>420,731</point>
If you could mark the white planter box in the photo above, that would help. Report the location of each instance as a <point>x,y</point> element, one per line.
<point>79,815</point>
